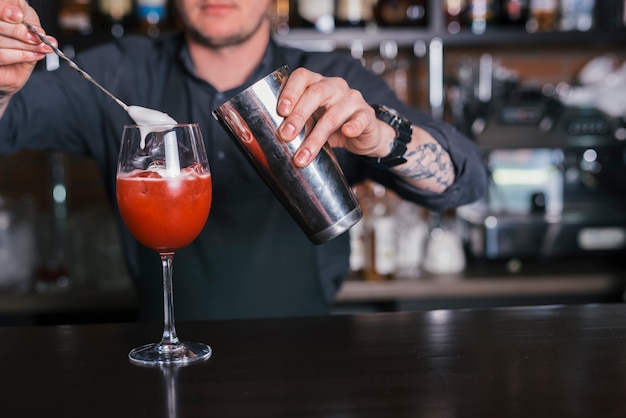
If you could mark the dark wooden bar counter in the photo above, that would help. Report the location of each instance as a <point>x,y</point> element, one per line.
<point>545,361</point>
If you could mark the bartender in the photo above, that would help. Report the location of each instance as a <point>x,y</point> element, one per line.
<point>251,259</point>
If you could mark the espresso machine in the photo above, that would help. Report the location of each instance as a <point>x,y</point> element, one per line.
<point>557,172</point>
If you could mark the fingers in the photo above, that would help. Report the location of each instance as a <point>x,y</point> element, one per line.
<point>15,51</point>
<point>340,112</point>
<point>17,43</point>
<point>12,11</point>
<point>19,48</point>
<point>12,14</point>
<point>294,106</point>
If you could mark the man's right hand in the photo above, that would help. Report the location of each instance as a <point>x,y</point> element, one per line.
<point>19,49</point>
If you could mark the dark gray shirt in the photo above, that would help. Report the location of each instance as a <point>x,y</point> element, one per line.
<point>251,258</point>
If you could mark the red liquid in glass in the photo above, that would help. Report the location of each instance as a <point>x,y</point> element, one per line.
<point>164,214</point>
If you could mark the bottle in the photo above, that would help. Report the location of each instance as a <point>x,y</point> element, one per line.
<point>444,253</point>
<point>52,273</point>
<point>576,15</point>
<point>280,16</point>
<point>358,235</point>
<point>454,11</point>
<point>396,13</point>
<point>393,68</point>
<point>151,16</point>
<point>354,12</point>
<point>513,12</point>
<point>411,234</point>
<point>543,16</point>
<point>115,16</point>
<point>481,14</point>
<point>74,17</point>
<point>381,236</point>
<point>318,14</point>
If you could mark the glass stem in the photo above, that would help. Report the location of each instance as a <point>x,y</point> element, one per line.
<point>169,328</point>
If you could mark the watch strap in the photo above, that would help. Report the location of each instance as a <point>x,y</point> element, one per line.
<point>403,129</point>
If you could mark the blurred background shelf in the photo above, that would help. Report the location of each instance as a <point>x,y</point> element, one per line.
<point>490,285</point>
<point>371,39</point>
<point>401,55</point>
<point>478,286</point>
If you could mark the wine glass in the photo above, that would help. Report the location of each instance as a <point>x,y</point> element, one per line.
<point>164,193</point>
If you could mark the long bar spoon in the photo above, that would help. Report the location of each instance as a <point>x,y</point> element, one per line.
<point>73,64</point>
<point>141,115</point>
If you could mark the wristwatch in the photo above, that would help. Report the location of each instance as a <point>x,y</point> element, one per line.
<point>403,130</point>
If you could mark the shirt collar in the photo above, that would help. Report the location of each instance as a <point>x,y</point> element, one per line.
<point>264,67</point>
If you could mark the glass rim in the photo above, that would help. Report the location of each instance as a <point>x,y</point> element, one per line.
<point>161,125</point>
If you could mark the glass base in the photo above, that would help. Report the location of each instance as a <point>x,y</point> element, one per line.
<point>180,354</point>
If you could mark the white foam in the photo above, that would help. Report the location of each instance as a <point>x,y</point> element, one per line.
<point>146,117</point>
<point>150,120</point>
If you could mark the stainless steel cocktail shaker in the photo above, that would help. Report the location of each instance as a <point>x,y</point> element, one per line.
<point>317,196</point>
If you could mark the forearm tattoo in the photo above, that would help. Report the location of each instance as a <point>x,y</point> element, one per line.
<point>428,161</point>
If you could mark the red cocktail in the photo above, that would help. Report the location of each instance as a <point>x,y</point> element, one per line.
<point>163,213</point>
<point>164,194</point>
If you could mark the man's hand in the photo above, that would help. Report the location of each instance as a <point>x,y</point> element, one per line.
<point>344,119</point>
<point>19,49</point>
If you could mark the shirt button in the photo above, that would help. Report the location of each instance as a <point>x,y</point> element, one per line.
<point>221,155</point>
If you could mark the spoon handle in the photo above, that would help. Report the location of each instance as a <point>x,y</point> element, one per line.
<point>72,64</point>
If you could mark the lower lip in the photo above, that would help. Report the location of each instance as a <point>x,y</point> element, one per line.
<point>217,9</point>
